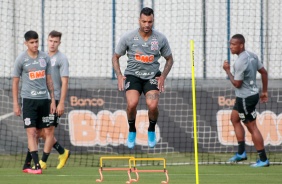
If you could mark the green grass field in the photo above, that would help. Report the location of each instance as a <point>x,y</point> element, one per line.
<point>215,174</point>
<point>84,169</point>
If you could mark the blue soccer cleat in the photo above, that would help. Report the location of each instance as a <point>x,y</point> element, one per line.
<point>260,163</point>
<point>152,139</point>
<point>131,139</point>
<point>237,157</point>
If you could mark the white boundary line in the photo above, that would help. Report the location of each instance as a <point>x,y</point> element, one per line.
<point>6,116</point>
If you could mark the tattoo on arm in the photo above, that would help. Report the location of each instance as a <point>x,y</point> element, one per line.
<point>168,65</point>
<point>50,87</point>
<point>153,96</point>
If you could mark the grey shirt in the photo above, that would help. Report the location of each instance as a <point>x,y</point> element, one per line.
<point>60,68</point>
<point>245,69</point>
<point>143,55</point>
<point>33,73</point>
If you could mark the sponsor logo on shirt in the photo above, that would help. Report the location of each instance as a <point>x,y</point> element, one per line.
<point>144,58</point>
<point>144,73</point>
<point>35,93</point>
<point>36,74</point>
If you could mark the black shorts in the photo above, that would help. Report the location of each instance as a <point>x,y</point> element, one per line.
<point>246,108</point>
<point>54,118</point>
<point>141,85</point>
<point>35,112</point>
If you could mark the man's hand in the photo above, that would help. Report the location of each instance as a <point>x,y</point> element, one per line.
<point>17,109</point>
<point>121,80</point>
<point>226,66</point>
<point>53,107</point>
<point>60,109</point>
<point>263,97</point>
<point>160,80</point>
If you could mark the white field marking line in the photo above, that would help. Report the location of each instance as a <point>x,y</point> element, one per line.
<point>6,115</point>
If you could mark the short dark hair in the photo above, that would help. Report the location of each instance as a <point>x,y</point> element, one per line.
<point>30,35</point>
<point>147,11</point>
<point>55,33</point>
<point>239,37</point>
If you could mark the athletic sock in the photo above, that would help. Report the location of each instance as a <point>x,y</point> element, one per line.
<point>152,125</point>
<point>241,147</point>
<point>262,155</point>
<point>28,159</point>
<point>131,124</point>
<point>35,158</point>
<point>59,148</point>
<point>45,156</point>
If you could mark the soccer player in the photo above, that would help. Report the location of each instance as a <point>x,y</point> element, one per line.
<point>247,97</point>
<point>144,46</point>
<point>60,77</point>
<point>34,67</point>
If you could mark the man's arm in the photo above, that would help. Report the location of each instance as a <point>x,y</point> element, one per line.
<point>167,68</point>
<point>61,106</point>
<point>116,66</point>
<point>264,80</point>
<point>15,89</point>
<point>50,87</point>
<point>235,83</point>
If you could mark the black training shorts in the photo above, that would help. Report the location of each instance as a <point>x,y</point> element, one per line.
<point>246,108</point>
<point>54,118</point>
<point>35,112</point>
<point>141,85</point>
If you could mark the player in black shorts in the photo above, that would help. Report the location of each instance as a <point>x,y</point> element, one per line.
<point>144,46</point>
<point>34,68</point>
<point>243,79</point>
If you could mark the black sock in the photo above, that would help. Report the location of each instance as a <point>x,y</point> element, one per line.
<point>131,124</point>
<point>59,148</point>
<point>152,125</point>
<point>45,156</point>
<point>241,147</point>
<point>35,158</point>
<point>262,155</point>
<point>28,159</point>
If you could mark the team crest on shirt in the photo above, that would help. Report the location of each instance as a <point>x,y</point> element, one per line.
<point>42,62</point>
<point>136,38</point>
<point>154,45</point>
<point>27,121</point>
<point>53,61</point>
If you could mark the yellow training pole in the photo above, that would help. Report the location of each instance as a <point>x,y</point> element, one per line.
<point>194,110</point>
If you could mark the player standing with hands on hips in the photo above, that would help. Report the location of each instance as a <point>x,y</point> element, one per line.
<point>144,46</point>
<point>247,97</point>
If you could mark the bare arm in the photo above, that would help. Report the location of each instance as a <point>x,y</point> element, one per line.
<point>61,106</point>
<point>16,107</point>
<point>235,83</point>
<point>116,66</point>
<point>167,68</point>
<point>264,80</point>
<point>50,87</point>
